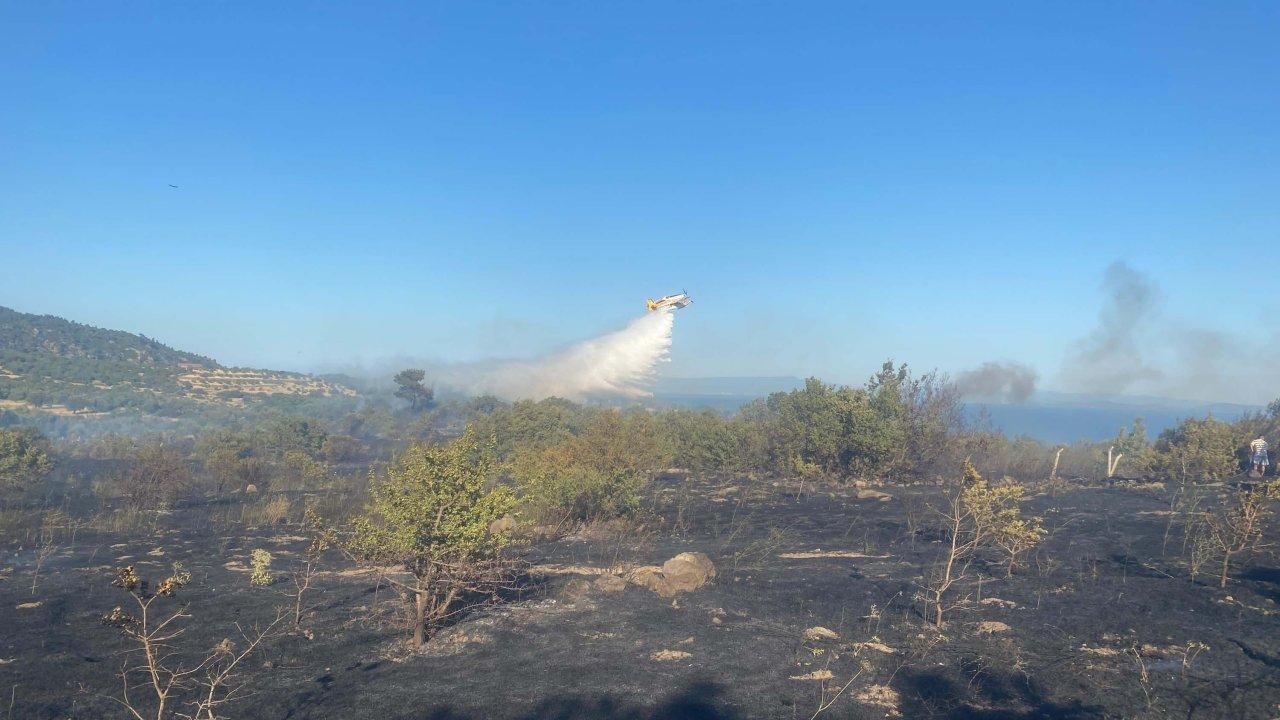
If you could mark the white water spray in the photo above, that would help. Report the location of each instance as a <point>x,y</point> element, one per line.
<point>622,363</point>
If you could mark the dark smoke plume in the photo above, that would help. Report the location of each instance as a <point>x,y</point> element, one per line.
<point>1110,359</point>
<point>1134,350</point>
<point>1008,381</point>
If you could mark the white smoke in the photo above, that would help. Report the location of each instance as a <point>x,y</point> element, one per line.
<point>618,363</point>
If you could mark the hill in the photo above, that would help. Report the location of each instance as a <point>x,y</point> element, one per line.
<point>53,366</point>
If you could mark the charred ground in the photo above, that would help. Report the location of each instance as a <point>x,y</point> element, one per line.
<point>1101,623</point>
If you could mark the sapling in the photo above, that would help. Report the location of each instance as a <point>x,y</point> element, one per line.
<point>977,516</point>
<point>171,686</point>
<point>1236,526</point>
<point>260,568</point>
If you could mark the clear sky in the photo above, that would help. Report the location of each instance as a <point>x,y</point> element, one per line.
<point>834,183</point>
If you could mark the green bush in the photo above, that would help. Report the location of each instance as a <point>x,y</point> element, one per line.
<point>24,456</point>
<point>430,513</point>
<point>596,475</point>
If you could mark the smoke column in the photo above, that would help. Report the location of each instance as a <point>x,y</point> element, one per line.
<point>1009,381</point>
<point>1111,359</point>
<point>1133,349</point>
<point>617,363</point>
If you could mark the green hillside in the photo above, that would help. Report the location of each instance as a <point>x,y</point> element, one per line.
<point>54,366</point>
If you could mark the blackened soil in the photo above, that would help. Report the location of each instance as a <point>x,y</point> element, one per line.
<point>1102,622</point>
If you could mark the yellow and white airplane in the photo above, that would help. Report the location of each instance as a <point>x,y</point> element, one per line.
<point>676,301</point>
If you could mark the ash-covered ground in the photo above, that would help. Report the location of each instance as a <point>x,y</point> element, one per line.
<point>1101,622</point>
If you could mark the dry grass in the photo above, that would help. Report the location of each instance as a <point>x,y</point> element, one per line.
<point>266,512</point>
<point>129,520</point>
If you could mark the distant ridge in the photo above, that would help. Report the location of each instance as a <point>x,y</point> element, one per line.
<point>54,366</point>
<point>23,333</point>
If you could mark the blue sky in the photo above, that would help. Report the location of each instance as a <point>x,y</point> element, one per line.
<point>835,183</point>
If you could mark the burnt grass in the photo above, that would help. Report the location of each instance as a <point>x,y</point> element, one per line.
<point>1099,621</point>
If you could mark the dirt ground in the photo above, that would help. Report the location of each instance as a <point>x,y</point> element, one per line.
<point>1101,623</point>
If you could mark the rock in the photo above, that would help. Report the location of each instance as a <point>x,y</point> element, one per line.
<point>869,494</point>
<point>991,627</point>
<point>682,573</point>
<point>649,576</point>
<point>609,584</point>
<point>502,525</point>
<point>873,645</point>
<point>250,489</point>
<point>575,589</point>
<point>669,655</point>
<point>882,697</point>
<point>818,632</point>
<point>30,605</point>
<point>688,571</point>
<point>815,675</point>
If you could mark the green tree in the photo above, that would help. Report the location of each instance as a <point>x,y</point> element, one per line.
<point>1131,446</point>
<point>157,474</point>
<point>1197,450</point>
<point>409,388</point>
<point>24,456</point>
<point>600,473</point>
<point>704,441</point>
<point>430,513</point>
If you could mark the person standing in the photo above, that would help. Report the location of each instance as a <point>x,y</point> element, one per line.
<point>1260,460</point>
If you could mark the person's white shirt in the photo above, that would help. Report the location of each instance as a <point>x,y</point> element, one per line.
<point>1258,446</point>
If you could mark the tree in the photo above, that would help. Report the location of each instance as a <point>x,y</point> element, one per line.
<point>157,474</point>
<point>430,513</point>
<point>24,456</point>
<point>409,388</point>
<point>1197,450</point>
<point>600,473</point>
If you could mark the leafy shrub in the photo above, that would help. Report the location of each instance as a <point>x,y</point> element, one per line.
<point>596,475</point>
<point>430,512</point>
<point>24,456</point>
<point>260,568</point>
<point>1196,450</point>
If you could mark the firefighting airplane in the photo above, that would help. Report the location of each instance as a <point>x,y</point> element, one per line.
<point>676,301</point>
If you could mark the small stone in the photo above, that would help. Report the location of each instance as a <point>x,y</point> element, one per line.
<point>815,675</point>
<point>504,524</point>
<point>869,494</point>
<point>818,632</point>
<point>991,627</point>
<point>669,655</point>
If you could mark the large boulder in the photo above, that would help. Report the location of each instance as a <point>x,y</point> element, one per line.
<point>682,573</point>
<point>688,571</point>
